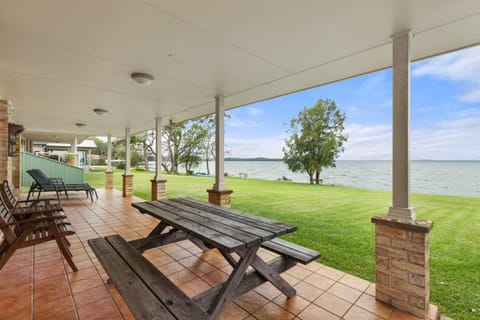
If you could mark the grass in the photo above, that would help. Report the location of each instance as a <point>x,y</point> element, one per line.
<point>336,222</point>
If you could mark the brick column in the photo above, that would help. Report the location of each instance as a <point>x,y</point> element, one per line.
<point>16,165</point>
<point>127,188</point>
<point>3,140</point>
<point>108,180</point>
<point>158,189</point>
<point>402,264</point>
<point>221,198</point>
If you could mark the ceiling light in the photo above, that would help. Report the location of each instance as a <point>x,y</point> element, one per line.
<point>143,78</point>
<point>79,124</point>
<point>100,111</point>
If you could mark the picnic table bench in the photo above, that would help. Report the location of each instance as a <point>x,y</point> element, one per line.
<point>208,226</point>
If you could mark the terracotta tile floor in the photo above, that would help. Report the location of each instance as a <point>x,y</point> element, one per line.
<point>38,284</point>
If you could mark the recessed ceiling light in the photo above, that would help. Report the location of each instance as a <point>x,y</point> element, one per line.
<point>79,124</point>
<point>143,78</point>
<point>100,111</point>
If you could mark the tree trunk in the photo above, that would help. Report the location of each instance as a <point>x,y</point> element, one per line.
<point>311,177</point>
<point>317,177</point>
<point>145,154</point>
<point>207,153</point>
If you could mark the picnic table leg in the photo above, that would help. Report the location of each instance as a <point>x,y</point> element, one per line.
<point>231,260</point>
<point>228,290</point>
<point>144,244</point>
<point>199,243</point>
<point>158,229</point>
<point>271,275</point>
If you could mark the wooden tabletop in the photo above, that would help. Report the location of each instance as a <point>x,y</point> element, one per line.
<point>223,228</point>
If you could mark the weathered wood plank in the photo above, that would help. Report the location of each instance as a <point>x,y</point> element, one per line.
<point>212,221</point>
<point>141,301</point>
<point>274,226</point>
<point>177,302</point>
<point>225,220</point>
<point>206,234</point>
<point>295,251</point>
<point>252,280</point>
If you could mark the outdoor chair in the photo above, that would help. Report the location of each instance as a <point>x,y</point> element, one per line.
<point>19,232</point>
<point>42,204</point>
<point>27,207</point>
<point>44,183</point>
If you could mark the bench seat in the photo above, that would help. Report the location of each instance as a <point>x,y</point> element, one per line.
<point>292,250</point>
<point>148,293</point>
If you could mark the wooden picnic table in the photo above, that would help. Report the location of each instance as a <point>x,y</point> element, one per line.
<point>238,236</point>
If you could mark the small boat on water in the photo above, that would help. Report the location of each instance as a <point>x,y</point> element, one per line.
<point>201,174</point>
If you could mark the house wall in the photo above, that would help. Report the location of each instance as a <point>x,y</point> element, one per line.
<point>3,140</point>
<point>9,166</point>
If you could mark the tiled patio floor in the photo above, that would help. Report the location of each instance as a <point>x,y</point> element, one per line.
<point>37,284</point>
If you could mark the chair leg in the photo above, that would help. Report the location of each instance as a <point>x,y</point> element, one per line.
<point>66,245</point>
<point>6,256</point>
<point>11,248</point>
<point>65,251</point>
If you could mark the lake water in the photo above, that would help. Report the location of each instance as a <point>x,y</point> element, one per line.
<point>433,177</point>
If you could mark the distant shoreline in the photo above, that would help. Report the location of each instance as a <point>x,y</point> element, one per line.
<point>276,159</point>
<point>253,159</point>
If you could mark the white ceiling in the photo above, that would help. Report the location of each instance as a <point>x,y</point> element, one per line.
<point>59,59</point>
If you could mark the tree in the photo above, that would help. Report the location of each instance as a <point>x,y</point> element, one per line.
<point>144,143</point>
<point>317,139</point>
<point>192,146</point>
<point>208,124</point>
<point>172,135</point>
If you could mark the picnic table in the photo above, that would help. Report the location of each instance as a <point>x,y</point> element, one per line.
<point>238,237</point>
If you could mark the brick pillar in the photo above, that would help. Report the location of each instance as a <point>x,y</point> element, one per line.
<point>108,180</point>
<point>16,165</point>
<point>402,253</point>
<point>221,198</point>
<point>3,140</point>
<point>127,185</point>
<point>158,189</point>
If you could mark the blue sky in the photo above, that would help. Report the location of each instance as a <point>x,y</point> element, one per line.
<point>445,113</point>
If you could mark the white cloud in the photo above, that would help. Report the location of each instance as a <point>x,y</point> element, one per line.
<point>461,66</point>
<point>368,142</point>
<point>371,83</point>
<point>235,122</point>
<point>452,139</point>
<point>254,112</point>
<point>457,138</point>
<point>269,147</point>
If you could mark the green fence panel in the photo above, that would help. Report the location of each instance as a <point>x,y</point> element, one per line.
<point>51,168</point>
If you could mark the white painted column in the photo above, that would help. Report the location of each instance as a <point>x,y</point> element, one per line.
<point>74,150</point>
<point>109,153</point>
<point>89,160</point>
<point>400,208</point>
<point>158,148</point>
<point>219,144</point>
<point>127,151</point>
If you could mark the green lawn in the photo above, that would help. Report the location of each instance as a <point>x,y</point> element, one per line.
<point>336,222</point>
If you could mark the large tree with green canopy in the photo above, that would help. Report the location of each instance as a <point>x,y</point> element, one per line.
<point>316,139</point>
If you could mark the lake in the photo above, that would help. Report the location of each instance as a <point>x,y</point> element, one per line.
<point>460,178</point>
